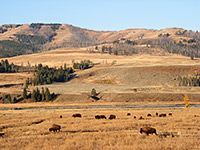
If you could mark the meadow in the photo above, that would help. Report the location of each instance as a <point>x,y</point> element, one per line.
<point>29,129</point>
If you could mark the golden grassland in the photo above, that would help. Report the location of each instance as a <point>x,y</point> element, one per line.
<point>22,130</point>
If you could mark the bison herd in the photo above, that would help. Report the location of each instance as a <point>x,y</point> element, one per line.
<point>146,130</point>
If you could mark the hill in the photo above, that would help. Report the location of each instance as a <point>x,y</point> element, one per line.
<point>38,37</point>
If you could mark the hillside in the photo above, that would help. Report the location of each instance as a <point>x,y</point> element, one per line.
<point>37,37</point>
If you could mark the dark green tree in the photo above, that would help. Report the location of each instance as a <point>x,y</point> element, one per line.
<point>25,93</point>
<point>9,98</point>
<point>47,95</point>
<point>93,92</point>
<point>43,94</point>
<point>34,95</point>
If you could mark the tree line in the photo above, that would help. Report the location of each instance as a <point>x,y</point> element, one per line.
<point>5,67</point>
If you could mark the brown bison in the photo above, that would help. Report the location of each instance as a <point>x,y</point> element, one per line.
<point>128,114</point>
<point>141,118</point>
<point>148,130</point>
<point>97,117</point>
<point>100,117</point>
<point>149,115</point>
<point>156,114</point>
<point>112,117</point>
<point>55,128</point>
<point>170,114</point>
<point>60,116</point>
<point>134,117</point>
<point>1,134</point>
<point>77,115</point>
<point>162,115</point>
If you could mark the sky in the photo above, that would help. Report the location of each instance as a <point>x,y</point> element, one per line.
<point>106,15</point>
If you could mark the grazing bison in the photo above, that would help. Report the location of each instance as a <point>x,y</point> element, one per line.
<point>162,115</point>
<point>149,115</point>
<point>156,114</point>
<point>60,116</point>
<point>170,114</point>
<point>1,134</point>
<point>102,117</point>
<point>97,117</point>
<point>128,114</point>
<point>77,115</point>
<point>148,130</point>
<point>112,117</point>
<point>141,118</point>
<point>55,128</point>
<point>134,117</point>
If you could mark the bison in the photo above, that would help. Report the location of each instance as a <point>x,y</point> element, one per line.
<point>77,115</point>
<point>156,114</point>
<point>148,130</point>
<point>162,115</point>
<point>134,117</point>
<point>1,134</point>
<point>149,115</point>
<point>141,118</point>
<point>112,117</point>
<point>55,128</point>
<point>170,114</point>
<point>102,117</point>
<point>60,116</point>
<point>128,114</point>
<point>97,117</point>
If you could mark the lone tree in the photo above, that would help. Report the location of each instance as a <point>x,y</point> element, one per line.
<point>25,93</point>
<point>93,92</point>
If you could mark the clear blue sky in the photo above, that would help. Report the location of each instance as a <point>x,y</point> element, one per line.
<point>104,14</point>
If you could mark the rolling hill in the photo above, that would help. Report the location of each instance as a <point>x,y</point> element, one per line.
<point>37,37</point>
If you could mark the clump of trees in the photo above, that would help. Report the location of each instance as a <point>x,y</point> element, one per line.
<point>47,75</point>
<point>5,67</point>
<point>84,64</point>
<point>45,95</point>
<point>193,80</point>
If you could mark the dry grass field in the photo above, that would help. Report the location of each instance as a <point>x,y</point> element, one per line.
<point>28,129</point>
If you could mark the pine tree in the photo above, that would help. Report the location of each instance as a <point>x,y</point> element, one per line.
<point>37,94</point>
<point>14,100</point>
<point>93,92</point>
<point>25,93</point>
<point>34,96</point>
<point>9,98</point>
<point>47,95</point>
<point>43,94</point>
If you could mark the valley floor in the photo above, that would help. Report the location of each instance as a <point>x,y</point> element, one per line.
<point>28,129</point>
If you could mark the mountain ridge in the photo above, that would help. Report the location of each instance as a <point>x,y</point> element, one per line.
<point>36,37</point>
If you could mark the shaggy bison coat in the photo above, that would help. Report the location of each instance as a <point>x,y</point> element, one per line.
<point>112,117</point>
<point>148,130</point>
<point>55,128</point>
<point>100,117</point>
<point>162,115</point>
<point>77,115</point>
<point>149,115</point>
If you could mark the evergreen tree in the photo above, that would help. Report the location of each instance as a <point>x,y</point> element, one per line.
<point>14,100</point>
<point>9,98</point>
<point>25,93</point>
<point>43,94</point>
<point>34,96</point>
<point>47,95</point>
<point>93,92</point>
<point>37,94</point>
